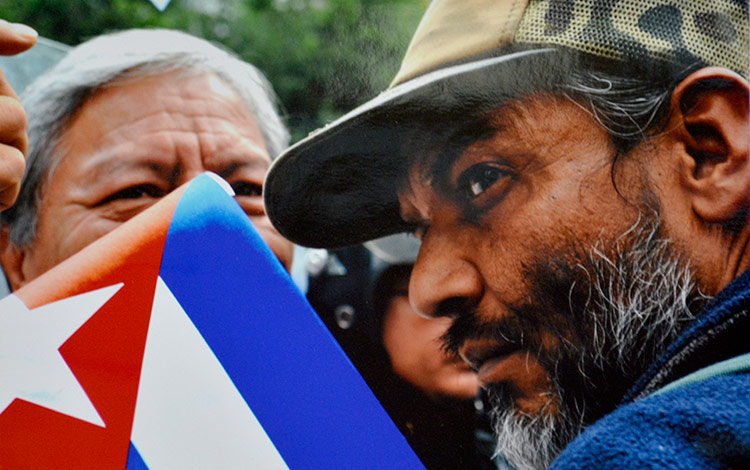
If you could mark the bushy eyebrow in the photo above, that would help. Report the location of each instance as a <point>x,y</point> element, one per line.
<point>106,164</point>
<point>114,160</point>
<point>235,162</point>
<point>454,146</point>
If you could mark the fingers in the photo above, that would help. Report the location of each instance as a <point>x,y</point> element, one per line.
<point>13,146</point>
<point>15,37</point>
<point>12,165</point>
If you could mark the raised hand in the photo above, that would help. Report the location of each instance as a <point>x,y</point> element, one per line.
<point>14,38</point>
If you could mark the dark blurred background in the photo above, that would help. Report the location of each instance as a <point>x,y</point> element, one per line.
<point>324,57</point>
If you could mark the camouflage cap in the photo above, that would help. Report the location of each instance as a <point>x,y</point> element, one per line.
<point>338,186</point>
<point>714,32</point>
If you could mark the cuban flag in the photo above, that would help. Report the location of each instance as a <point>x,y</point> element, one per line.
<point>178,341</point>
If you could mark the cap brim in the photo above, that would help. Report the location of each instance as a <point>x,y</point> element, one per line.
<point>338,186</point>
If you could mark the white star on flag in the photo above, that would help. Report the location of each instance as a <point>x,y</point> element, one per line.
<point>31,367</point>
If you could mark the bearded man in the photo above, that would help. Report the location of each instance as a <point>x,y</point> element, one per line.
<point>578,173</point>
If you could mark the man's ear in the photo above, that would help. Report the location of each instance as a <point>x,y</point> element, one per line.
<point>709,112</point>
<point>11,259</point>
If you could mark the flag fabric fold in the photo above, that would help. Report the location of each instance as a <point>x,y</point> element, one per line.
<point>179,341</point>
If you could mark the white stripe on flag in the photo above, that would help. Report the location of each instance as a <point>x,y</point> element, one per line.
<point>189,414</point>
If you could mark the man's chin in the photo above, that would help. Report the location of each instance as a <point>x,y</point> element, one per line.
<point>530,437</point>
<point>522,381</point>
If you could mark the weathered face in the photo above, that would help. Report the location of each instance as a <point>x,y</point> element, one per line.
<point>414,345</point>
<point>134,142</point>
<point>512,229</point>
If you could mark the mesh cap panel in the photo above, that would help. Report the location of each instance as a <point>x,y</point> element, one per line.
<point>682,33</point>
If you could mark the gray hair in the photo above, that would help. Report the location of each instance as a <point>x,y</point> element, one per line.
<point>630,101</point>
<point>630,109</point>
<point>53,99</point>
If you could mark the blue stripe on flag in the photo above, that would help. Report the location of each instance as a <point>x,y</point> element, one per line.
<point>135,462</point>
<point>306,394</point>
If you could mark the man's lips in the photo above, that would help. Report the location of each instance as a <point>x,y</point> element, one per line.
<point>512,364</point>
<point>485,356</point>
<point>458,362</point>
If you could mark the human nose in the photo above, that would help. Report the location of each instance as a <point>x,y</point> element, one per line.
<point>444,281</point>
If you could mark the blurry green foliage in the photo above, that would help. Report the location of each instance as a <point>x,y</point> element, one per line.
<point>323,57</point>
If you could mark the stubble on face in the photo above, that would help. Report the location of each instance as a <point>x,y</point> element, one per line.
<point>595,318</point>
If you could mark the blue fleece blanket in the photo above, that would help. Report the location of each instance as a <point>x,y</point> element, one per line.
<point>700,426</point>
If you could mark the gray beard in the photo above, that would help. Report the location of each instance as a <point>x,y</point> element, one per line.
<point>635,303</point>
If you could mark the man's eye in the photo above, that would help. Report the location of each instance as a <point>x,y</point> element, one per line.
<point>137,192</point>
<point>244,188</point>
<point>480,178</point>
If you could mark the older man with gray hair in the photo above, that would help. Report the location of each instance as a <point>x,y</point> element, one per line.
<point>123,120</point>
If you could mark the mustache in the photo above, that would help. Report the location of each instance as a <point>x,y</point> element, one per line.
<point>517,331</point>
<point>554,305</point>
<point>555,302</point>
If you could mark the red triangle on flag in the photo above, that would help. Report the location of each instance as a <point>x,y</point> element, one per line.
<point>105,354</point>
